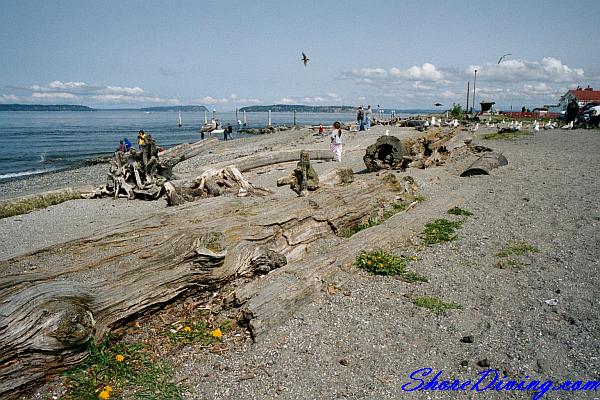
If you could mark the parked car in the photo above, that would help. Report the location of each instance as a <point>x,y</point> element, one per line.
<point>591,115</point>
<point>587,107</point>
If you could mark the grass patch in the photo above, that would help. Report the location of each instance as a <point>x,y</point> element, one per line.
<point>199,332</point>
<point>10,208</point>
<point>508,263</point>
<point>397,207</point>
<point>121,370</point>
<point>506,135</point>
<point>379,262</point>
<point>347,232</point>
<point>441,230</point>
<point>434,304</point>
<point>517,249</point>
<point>459,211</point>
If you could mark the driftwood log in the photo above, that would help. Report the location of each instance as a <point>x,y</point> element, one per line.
<point>142,174</point>
<point>303,178</point>
<point>53,301</point>
<point>431,149</point>
<point>484,164</point>
<point>227,176</point>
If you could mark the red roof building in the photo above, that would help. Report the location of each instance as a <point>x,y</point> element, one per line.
<point>583,96</point>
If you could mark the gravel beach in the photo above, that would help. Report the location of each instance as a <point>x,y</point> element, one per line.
<point>527,316</point>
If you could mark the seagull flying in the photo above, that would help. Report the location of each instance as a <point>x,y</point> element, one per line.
<point>305,59</point>
<point>502,58</point>
<point>438,104</point>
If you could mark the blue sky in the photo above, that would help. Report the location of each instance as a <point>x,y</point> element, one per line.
<point>229,54</point>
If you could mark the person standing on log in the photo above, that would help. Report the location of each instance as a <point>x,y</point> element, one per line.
<point>141,139</point>
<point>336,141</point>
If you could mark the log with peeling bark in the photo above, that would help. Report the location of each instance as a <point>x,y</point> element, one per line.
<point>80,290</point>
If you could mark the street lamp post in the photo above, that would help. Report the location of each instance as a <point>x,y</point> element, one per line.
<point>474,81</point>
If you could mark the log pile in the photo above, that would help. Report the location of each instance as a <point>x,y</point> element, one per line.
<point>142,174</point>
<point>434,148</point>
<point>80,290</point>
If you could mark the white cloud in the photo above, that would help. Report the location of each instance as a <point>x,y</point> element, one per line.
<point>426,72</point>
<point>135,91</point>
<point>126,99</point>
<point>54,96</point>
<point>286,100</point>
<point>549,70</point>
<point>9,98</point>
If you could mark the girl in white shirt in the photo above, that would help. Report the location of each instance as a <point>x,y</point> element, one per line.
<point>336,141</point>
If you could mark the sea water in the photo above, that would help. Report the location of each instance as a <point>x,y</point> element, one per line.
<point>39,142</point>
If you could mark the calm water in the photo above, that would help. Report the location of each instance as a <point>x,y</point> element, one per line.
<point>38,142</point>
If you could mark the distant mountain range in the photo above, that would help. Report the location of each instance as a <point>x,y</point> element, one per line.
<point>299,108</point>
<point>71,107</point>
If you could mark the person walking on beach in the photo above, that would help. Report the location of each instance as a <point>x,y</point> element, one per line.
<point>229,131</point>
<point>360,116</point>
<point>369,116</point>
<point>141,139</point>
<point>336,141</point>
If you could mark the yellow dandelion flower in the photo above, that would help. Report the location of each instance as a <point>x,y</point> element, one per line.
<point>119,358</point>
<point>217,333</point>
<point>187,329</point>
<point>107,388</point>
<point>380,265</point>
<point>104,394</point>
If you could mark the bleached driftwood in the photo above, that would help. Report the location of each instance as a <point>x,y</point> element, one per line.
<point>82,289</point>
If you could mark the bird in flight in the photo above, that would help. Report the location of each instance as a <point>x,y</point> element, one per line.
<point>502,58</point>
<point>305,59</point>
<point>438,104</point>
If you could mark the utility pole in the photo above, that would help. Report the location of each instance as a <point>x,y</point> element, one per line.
<point>474,82</point>
<point>468,90</point>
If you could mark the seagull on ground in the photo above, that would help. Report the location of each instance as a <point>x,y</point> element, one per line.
<point>536,126</point>
<point>568,126</point>
<point>304,59</point>
<point>549,125</point>
<point>475,128</point>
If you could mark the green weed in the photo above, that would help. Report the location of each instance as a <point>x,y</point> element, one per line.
<point>379,262</point>
<point>434,304</point>
<point>441,230</point>
<point>459,211</point>
<point>517,249</point>
<point>121,369</point>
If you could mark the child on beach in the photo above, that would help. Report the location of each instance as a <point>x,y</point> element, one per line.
<point>141,139</point>
<point>336,141</point>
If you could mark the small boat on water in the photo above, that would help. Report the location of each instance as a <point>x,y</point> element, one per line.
<point>180,123</point>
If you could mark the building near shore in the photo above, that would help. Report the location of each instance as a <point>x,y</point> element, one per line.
<point>583,96</point>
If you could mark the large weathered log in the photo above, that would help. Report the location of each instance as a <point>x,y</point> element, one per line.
<point>484,164</point>
<point>80,290</point>
<point>386,153</point>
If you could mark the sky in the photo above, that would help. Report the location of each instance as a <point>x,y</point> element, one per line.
<point>229,54</point>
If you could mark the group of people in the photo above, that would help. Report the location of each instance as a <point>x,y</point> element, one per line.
<point>364,118</point>
<point>125,145</point>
